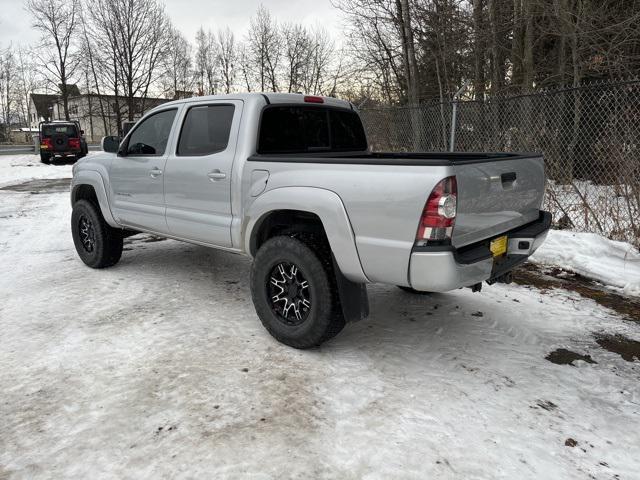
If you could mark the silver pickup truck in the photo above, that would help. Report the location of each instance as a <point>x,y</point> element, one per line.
<point>290,180</point>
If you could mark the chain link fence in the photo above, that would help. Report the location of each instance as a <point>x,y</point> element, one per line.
<point>589,135</point>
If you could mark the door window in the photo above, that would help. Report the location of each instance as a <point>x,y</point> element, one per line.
<point>205,130</point>
<point>152,135</point>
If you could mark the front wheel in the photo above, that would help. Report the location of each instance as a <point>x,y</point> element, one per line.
<point>294,292</point>
<point>98,244</point>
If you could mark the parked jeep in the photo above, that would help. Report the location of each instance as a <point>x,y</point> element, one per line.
<point>290,181</point>
<point>61,139</point>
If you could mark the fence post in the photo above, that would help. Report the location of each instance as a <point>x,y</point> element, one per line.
<point>454,116</point>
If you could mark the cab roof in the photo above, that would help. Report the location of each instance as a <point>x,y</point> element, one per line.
<point>269,98</point>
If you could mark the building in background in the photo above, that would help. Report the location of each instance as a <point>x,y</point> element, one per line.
<point>97,114</point>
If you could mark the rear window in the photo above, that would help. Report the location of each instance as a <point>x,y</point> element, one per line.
<point>68,130</point>
<point>304,129</point>
<point>206,130</point>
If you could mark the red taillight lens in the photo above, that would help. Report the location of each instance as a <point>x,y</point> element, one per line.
<point>74,143</point>
<point>312,99</point>
<point>439,213</point>
<point>46,143</point>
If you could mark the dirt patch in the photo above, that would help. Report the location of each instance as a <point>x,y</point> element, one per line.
<point>562,356</point>
<point>625,347</point>
<point>145,238</point>
<point>47,185</point>
<point>551,278</point>
<point>570,442</point>
<point>546,405</point>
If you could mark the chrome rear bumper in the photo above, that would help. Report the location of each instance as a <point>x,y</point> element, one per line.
<point>440,269</point>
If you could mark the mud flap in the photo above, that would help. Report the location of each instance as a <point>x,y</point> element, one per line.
<point>353,296</point>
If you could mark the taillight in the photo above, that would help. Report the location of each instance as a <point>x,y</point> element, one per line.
<point>74,143</point>
<point>46,143</point>
<point>313,99</point>
<point>439,213</point>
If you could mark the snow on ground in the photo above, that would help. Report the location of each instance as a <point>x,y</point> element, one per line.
<point>607,261</point>
<point>29,167</point>
<point>610,209</point>
<point>159,368</point>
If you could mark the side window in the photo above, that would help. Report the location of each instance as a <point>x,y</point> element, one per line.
<point>205,130</point>
<point>152,135</point>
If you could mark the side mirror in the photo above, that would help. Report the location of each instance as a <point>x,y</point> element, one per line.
<point>81,132</point>
<point>110,144</point>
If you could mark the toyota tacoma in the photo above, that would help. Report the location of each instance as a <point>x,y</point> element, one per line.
<point>290,181</point>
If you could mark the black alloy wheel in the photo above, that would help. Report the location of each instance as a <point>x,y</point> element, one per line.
<point>87,234</point>
<point>293,288</point>
<point>290,294</point>
<point>98,244</point>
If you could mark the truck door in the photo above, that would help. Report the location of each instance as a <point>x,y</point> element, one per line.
<point>136,174</point>
<point>198,173</point>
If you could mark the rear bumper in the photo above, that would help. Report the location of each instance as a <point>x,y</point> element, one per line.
<point>56,151</point>
<point>444,268</point>
<point>53,153</point>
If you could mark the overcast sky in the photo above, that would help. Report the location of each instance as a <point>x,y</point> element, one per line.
<point>188,15</point>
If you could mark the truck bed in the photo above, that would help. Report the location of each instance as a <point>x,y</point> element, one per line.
<point>394,158</point>
<point>384,194</point>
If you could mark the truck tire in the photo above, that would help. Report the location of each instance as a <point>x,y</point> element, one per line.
<point>294,292</point>
<point>98,244</point>
<point>45,158</point>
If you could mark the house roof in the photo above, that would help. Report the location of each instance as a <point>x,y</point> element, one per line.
<point>72,89</point>
<point>42,103</point>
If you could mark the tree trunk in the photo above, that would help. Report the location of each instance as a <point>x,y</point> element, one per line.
<point>64,91</point>
<point>564,19</point>
<point>411,70</point>
<point>527,64</point>
<point>516,45</point>
<point>479,86</point>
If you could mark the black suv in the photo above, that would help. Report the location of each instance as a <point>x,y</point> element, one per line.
<point>61,139</point>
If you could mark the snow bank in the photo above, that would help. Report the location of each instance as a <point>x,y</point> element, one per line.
<point>607,261</point>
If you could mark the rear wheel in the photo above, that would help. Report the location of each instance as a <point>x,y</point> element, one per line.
<point>98,244</point>
<point>45,158</point>
<point>294,292</point>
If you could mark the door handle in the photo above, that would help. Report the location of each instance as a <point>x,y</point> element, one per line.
<point>155,172</point>
<point>216,175</point>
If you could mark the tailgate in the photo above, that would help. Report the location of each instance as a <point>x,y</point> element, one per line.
<point>497,195</point>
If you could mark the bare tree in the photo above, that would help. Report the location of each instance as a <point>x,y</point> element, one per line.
<point>135,37</point>
<point>27,81</point>
<point>178,72</point>
<point>376,45</point>
<point>206,66</point>
<point>264,45</point>
<point>245,67</point>
<point>320,54</point>
<point>95,78</point>
<point>297,45</point>
<point>227,56</point>
<point>58,22</point>
<point>7,86</point>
